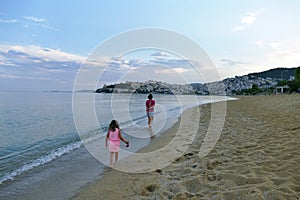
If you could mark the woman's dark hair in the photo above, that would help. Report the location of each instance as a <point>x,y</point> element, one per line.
<point>150,96</point>
<point>113,125</point>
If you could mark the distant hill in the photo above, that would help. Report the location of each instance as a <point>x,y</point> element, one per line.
<point>265,82</point>
<point>278,73</point>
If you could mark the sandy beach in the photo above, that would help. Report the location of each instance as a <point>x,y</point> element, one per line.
<point>256,157</point>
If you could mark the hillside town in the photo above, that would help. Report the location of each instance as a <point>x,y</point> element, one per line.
<point>229,86</point>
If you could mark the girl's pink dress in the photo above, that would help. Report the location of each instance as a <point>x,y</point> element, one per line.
<point>114,141</point>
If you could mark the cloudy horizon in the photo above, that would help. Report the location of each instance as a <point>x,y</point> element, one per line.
<point>43,45</point>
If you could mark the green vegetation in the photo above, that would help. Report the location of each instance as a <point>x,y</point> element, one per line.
<point>280,73</point>
<point>295,84</point>
<point>297,74</point>
<point>282,83</point>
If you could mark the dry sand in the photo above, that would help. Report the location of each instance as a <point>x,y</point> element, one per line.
<point>256,157</point>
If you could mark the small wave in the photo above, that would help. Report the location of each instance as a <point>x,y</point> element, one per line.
<point>41,161</point>
<point>89,137</point>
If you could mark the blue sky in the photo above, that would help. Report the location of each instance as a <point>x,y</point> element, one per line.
<point>43,43</point>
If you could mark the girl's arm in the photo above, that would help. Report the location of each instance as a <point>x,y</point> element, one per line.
<point>107,136</point>
<point>121,137</point>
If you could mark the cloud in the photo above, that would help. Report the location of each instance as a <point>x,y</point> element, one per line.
<point>172,70</point>
<point>8,76</point>
<point>248,19</point>
<point>284,53</point>
<point>38,63</point>
<point>163,68</point>
<point>260,43</point>
<point>231,62</point>
<point>275,45</point>
<point>170,62</point>
<point>34,19</point>
<point>8,21</point>
<point>239,28</point>
<point>122,64</point>
<point>37,68</point>
<point>28,21</point>
<point>32,52</point>
<point>32,63</point>
<point>159,54</point>
<point>45,26</point>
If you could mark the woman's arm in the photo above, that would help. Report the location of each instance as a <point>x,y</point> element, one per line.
<point>150,106</point>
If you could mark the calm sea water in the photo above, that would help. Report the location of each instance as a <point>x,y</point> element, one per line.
<point>39,141</point>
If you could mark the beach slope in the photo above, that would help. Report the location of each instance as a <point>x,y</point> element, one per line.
<point>256,157</point>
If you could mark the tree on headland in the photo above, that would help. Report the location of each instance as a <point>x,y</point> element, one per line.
<point>295,84</point>
<point>297,74</point>
<point>255,87</point>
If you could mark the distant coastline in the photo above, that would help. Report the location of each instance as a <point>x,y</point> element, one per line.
<point>251,84</point>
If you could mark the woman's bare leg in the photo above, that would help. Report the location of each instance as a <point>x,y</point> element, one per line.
<point>149,121</point>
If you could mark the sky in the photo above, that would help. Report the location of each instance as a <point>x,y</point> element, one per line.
<point>45,44</point>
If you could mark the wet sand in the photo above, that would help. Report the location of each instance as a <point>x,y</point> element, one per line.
<point>256,157</point>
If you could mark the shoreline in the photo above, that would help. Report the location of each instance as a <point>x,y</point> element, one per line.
<point>160,140</point>
<point>256,157</point>
<point>52,175</point>
<point>157,142</point>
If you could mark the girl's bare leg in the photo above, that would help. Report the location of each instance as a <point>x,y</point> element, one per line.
<point>116,157</point>
<point>111,159</point>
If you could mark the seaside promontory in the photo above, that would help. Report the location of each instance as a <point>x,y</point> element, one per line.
<point>255,83</point>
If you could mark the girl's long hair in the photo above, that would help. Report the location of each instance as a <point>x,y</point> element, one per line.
<point>113,125</point>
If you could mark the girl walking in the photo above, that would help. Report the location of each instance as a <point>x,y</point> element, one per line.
<point>114,135</point>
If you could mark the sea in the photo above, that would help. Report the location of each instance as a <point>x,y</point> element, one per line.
<point>42,152</point>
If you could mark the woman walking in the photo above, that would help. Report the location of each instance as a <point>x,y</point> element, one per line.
<point>150,103</point>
